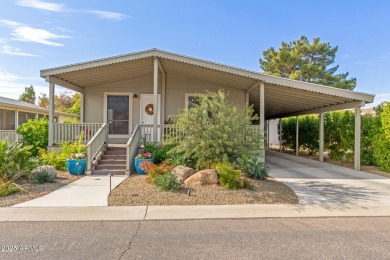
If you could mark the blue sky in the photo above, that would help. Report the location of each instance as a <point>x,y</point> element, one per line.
<point>37,34</point>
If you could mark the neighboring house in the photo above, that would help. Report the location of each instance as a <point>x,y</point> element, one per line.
<point>127,97</point>
<point>13,113</point>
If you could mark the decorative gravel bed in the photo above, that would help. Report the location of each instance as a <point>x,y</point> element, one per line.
<point>135,191</point>
<point>33,191</point>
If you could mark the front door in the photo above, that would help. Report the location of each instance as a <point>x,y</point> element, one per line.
<point>118,114</point>
<point>147,109</point>
<point>147,112</point>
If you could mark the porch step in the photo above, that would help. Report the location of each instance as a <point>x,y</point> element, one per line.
<point>111,167</point>
<point>112,161</point>
<point>106,172</point>
<point>115,152</point>
<point>113,157</point>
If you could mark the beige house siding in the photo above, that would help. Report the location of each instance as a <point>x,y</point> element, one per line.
<point>176,88</point>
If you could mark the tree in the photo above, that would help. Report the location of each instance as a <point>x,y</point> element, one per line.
<point>215,131</point>
<point>28,95</point>
<point>305,61</point>
<point>63,102</point>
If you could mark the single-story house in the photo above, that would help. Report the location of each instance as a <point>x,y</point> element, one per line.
<point>14,113</point>
<point>127,97</point>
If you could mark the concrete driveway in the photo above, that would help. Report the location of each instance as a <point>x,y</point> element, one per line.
<point>326,184</point>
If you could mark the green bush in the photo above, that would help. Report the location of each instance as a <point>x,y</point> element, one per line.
<point>176,159</point>
<point>35,133</point>
<point>254,169</point>
<point>159,152</point>
<point>56,159</point>
<point>230,178</point>
<point>166,181</point>
<point>42,177</point>
<point>14,160</point>
<point>213,130</point>
<point>9,187</point>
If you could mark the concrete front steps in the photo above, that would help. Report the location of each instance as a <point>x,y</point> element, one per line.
<point>112,161</point>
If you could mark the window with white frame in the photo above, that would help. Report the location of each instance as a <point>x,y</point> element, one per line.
<point>191,99</point>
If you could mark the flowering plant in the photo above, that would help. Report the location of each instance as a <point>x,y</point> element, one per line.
<point>77,156</point>
<point>146,155</point>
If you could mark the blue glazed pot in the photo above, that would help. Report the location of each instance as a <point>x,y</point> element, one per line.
<point>137,165</point>
<point>76,167</point>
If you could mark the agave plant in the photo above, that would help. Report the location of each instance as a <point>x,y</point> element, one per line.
<point>254,169</point>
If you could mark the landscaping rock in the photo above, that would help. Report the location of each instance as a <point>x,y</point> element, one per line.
<point>204,177</point>
<point>51,170</point>
<point>182,172</point>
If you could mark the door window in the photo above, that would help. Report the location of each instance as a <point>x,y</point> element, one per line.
<point>118,114</point>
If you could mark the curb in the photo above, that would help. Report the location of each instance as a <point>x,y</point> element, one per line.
<point>190,212</point>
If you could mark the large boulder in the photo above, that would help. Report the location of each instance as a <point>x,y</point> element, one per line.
<point>204,177</point>
<point>182,172</point>
<point>51,170</point>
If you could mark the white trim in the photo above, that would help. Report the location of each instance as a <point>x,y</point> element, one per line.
<point>130,94</point>
<point>187,95</point>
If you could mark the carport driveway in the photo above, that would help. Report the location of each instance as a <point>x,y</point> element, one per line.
<point>326,184</point>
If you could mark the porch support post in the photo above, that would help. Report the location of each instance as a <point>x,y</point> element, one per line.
<point>163,99</point>
<point>155,98</point>
<point>16,124</point>
<point>268,134</point>
<point>297,137</point>
<point>357,138</point>
<point>321,157</point>
<point>262,118</point>
<point>280,134</point>
<point>51,114</point>
<point>81,108</point>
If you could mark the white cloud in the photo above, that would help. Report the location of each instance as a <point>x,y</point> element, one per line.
<point>6,76</point>
<point>108,15</point>
<point>42,5</point>
<point>15,51</point>
<point>29,34</point>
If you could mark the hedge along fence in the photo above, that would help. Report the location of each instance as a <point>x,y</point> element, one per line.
<point>339,135</point>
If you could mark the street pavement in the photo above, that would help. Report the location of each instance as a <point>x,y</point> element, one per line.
<point>268,238</point>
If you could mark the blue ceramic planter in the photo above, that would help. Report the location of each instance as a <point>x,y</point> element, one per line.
<point>76,167</point>
<point>137,162</point>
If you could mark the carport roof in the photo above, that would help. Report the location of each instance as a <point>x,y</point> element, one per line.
<point>283,97</point>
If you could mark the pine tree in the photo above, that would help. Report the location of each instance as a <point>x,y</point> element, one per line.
<point>310,62</point>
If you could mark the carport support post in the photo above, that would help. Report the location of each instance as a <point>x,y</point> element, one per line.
<point>280,134</point>
<point>321,157</point>
<point>81,108</point>
<point>51,114</point>
<point>297,137</point>
<point>357,138</point>
<point>262,119</point>
<point>155,98</point>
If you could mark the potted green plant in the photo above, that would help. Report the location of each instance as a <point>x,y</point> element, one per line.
<point>142,157</point>
<point>76,164</point>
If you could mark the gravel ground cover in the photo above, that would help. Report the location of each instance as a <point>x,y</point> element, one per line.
<point>33,191</point>
<point>135,191</point>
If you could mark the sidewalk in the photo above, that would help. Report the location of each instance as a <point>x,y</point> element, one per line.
<point>190,212</point>
<point>88,191</point>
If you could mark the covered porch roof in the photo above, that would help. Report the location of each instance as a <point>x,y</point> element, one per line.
<point>283,97</point>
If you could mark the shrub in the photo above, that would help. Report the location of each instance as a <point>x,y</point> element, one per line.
<point>154,170</point>
<point>9,187</point>
<point>56,159</point>
<point>176,159</point>
<point>213,130</point>
<point>72,120</point>
<point>42,177</point>
<point>230,178</point>
<point>14,160</point>
<point>159,152</point>
<point>35,133</point>
<point>166,181</point>
<point>253,168</point>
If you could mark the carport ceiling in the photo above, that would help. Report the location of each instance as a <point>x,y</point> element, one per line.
<point>283,97</point>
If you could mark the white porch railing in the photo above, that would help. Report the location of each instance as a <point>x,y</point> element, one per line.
<point>96,145</point>
<point>11,134</point>
<point>162,131</point>
<point>132,147</point>
<point>71,132</point>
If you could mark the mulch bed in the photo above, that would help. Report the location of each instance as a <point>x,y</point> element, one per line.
<point>135,191</point>
<point>33,191</point>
